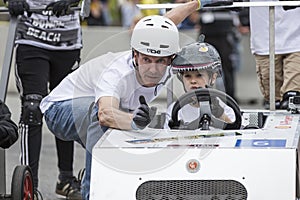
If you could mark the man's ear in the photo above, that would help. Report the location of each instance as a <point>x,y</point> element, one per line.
<point>134,58</point>
<point>135,53</point>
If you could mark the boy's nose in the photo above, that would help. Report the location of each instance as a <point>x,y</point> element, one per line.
<point>193,81</point>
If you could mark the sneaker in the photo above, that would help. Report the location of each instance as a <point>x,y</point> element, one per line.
<point>69,188</point>
<point>37,195</point>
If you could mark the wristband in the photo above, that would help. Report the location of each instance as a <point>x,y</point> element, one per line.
<point>199,3</point>
<point>133,126</point>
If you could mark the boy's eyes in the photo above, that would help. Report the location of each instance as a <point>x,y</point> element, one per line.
<point>188,75</point>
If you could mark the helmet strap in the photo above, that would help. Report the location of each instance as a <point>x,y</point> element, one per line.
<point>134,63</point>
<point>210,81</point>
<point>164,82</point>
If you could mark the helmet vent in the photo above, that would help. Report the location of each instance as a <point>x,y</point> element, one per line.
<point>149,24</point>
<point>163,26</point>
<point>168,23</point>
<point>145,44</point>
<point>164,46</point>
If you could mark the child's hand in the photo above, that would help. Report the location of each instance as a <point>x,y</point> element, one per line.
<point>215,107</point>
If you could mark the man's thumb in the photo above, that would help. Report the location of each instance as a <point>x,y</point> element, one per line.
<point>142,100</point>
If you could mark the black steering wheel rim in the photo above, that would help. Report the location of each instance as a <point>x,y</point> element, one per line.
<point>206,94</point>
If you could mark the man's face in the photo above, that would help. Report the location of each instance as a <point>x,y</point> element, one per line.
<point>150,69</point>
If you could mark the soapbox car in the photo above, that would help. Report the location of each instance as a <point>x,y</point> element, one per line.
<point>255,157</point>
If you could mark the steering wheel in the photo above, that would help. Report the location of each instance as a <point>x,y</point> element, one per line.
<point>204,96</point>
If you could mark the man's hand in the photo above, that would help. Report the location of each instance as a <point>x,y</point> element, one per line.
<point>17,7</point>
<point>215,3</point>
<point>289,7</point>
<point>62,7</point>
<point>143,115</point>
<point>215,107</point>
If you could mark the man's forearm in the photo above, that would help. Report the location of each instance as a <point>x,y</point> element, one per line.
<point>115,118</point>
<point>179,13</point>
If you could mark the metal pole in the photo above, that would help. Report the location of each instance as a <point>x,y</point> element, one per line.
<point>85,8</point>
<point>272,56</point>
<point>3,89</point>
<point>7,58</point>
<point>234,5</point>
<point>2,172</point>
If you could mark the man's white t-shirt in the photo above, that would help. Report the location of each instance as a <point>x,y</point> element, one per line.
<point>112,74</point>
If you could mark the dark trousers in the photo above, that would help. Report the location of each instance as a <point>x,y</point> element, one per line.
<point>38,71</point>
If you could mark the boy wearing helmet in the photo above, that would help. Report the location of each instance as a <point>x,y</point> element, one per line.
<point>116,90</point>
<point>197,66</point>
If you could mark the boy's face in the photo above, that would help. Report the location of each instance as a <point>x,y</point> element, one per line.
<point>195,79</point>
<point>150,69</point>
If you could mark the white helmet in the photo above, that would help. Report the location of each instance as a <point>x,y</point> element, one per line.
<point>155,36</point>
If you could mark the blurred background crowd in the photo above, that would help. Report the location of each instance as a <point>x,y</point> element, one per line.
<point>222,28</point>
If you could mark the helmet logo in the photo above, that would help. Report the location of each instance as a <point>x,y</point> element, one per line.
<point>203,48</point>
<point>153,51</point>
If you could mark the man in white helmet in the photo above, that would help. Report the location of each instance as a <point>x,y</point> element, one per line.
<point>120,92</point>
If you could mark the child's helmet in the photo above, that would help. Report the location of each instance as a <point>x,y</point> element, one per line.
<point>197,56</point>
<point>155,36</point>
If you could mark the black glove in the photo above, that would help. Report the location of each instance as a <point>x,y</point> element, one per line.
<point>236,9</point>
<point>244,17</point>
<point>17,7</point>
<point>289,7</point>
<point>62,7</point>
<point>215,107</point>
<point>143,115</point>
